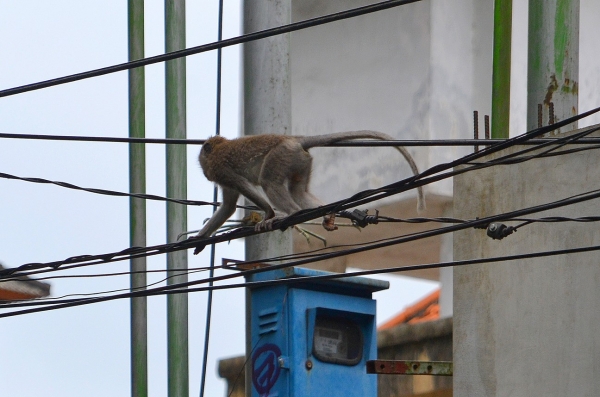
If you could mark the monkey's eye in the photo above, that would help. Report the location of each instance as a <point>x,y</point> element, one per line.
<point>207,148</point>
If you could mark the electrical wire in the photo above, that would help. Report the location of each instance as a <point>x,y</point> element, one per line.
<point>80,138</point>
<point>440,171</point>
<point>244,232</point>
<point>21,276</point>
<point>352,143</point>
<point>392,241</point>
<point>293,280</point>
<point>116,193</point>
<point>554,141</point>
<point>304,215</point>
<point>384,5</point>
<point>141,288</point>
<point>106,192</point>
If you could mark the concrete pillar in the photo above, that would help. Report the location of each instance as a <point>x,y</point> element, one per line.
<point>266,108</point>
<point>267,96</point>
<point>529,327</point>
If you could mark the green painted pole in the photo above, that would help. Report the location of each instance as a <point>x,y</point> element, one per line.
<point>137,207</point>
<point>501,68</point>
<point>553,61</point>
<point>177,304</point>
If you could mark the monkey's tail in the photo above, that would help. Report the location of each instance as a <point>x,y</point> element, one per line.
<point>308,141</point>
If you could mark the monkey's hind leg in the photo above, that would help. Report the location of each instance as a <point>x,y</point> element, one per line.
<point>299,183</point>
<point>275,179</point>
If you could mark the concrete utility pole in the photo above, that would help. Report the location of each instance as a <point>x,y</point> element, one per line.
<point>553,61</point>
<point>267,96</point>
<point>266,109</point>
<point>137,207</point>
<point>177,305</point>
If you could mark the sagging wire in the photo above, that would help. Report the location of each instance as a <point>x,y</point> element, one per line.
<point>98,275</point>
<point>398,240</point>
<point>115,193</point>
<point>366,247</point>
<point>255,284</point>
<point>49,300</point>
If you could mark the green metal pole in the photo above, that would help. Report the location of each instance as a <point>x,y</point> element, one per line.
<point>137,207</point>
<point>501,68</point>
<point>553,61</point>
<point>177,305</point>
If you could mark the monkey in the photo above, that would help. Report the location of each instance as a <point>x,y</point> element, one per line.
<point>280,165</point>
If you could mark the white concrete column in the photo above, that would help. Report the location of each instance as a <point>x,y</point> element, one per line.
<point>267,96</point>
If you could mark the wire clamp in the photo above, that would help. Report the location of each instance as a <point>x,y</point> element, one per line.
<point>498,231</point>
<point>360,218</point>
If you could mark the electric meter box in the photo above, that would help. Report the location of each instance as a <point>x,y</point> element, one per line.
<point>312,337</point>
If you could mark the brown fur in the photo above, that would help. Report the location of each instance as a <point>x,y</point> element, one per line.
<point>280,165</point>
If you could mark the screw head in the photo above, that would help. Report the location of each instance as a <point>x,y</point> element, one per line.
<point>309,364</point>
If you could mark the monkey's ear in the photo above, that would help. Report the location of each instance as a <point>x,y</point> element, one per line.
<point>207,148</point>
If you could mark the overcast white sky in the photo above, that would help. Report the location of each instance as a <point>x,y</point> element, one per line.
<point>85,350</point>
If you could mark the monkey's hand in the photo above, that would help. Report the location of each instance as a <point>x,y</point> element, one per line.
<point>329,222</point>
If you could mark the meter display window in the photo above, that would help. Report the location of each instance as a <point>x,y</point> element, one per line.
<point>337,340</point>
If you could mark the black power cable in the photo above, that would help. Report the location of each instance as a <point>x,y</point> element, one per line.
<point>306,215</point>
<point>255,284</point>
<point>384,5</point>
<point>353,143</point>
<point>104,191</point>
<point>124,255</point>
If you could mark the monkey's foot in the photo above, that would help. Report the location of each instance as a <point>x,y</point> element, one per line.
<point>200,245</point>
<point>266,225</point>
<point>199,248</point>
<point>329,222</point>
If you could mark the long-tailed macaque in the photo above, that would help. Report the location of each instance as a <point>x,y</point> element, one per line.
<point>280,165</point>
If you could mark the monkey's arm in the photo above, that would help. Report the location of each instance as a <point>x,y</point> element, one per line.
<point>226,209</point>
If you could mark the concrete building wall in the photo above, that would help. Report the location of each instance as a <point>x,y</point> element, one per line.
<point>528,328</point>
<point>415,72</point>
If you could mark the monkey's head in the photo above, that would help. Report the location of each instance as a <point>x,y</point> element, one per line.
<point>208,149</point>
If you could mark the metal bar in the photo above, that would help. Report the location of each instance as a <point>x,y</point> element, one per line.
<point>476,128</point>
<point>215,198</point>
<point>401,367</point>
<point>137,206</point>
<point>501,68</point>
<point>553,60</point>
<point>177,305</point>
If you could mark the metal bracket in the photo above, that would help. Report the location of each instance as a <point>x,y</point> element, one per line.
<point>402,367</point>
